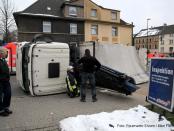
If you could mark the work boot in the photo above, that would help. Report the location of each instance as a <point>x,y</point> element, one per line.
<point>94,99</point>
<point>8,111</point>
<point>5,114</point>
<point>83,100</point>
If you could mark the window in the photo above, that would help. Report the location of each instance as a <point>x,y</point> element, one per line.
<point>94,13</point>
<point>94,29</point>
<point>171,42</point>
<point>156,47</point>
<point>72,11</point>
<point>162,42</point>
<point>114,15</point>
<point>170,49</point>
<point>114,31</point>
<point>73,28</point>
<point>171,35</point>
<point>136,41</point>
<point>162,49</point>
<point>161,38</point>
<point>47,26</point>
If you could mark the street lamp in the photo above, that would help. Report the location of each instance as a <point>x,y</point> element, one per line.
<point>147,39</point>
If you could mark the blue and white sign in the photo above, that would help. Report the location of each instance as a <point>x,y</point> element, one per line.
<point>161,86</point>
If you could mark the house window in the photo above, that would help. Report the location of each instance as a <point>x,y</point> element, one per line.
<point>114,31</point>
<point>93,12</point>
<point>162,42</point>
<point>72,11</point>
<point>171,42</point>
<point>156,46</point>
<point>47,26</point>
<point>73,28</point>
<point>136,41</point>
<point>170,49</point>
<point>162,49</point>
<point>94,29</point>
<point>171,35</point>
<point>114,15</point>
<point>149,46</point>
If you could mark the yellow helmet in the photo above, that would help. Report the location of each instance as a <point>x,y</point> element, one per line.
<point>70,68</point>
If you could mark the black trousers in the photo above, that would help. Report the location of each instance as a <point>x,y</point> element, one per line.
<point>5,95</point>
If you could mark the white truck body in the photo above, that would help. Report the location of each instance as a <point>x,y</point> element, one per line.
<point>43,68</point>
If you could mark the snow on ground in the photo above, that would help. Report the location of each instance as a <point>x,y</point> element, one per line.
<point>134,119</point>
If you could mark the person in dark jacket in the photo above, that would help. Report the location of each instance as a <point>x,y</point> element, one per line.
<point>5,87</point>
<point>89,66</point>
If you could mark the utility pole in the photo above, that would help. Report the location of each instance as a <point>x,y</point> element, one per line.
<point>147,40</point>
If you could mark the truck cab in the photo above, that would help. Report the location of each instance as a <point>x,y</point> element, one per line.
<point>41,67</point>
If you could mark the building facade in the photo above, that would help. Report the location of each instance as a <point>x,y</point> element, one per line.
<point>73,21</point>
<point>49,17</point>
<point>166,43</point>
<point>158,39</point>
<point>105,26</point>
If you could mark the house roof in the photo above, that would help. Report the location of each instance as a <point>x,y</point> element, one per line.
<point>49,7</point>
<point>53,9</point>
<point>103,7</point>
<point>156,31</point>
<point>166,29</point>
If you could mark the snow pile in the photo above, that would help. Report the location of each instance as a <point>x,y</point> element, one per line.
<point>142,53</point>
<point>150,32</point>
<point>135,119</point>
<point>47,15</point>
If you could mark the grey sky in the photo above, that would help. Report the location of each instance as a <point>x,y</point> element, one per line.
<point>136,11</point>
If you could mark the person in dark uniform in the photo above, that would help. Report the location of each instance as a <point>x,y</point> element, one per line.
<point>89,66</point>
<point>5,87</point>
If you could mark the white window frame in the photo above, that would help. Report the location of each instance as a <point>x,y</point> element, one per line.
<point>93,13</point>
<point>73,28</point>
<point>72,11</point>
<point>94,29</point>
<point>114,31</point>
<point>114,15</point>
<point>46,27</point>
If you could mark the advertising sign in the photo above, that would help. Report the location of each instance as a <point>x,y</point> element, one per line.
<point>161,88</point>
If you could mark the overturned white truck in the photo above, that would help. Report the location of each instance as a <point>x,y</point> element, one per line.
<point>42,64</point>
<point>41,67</point>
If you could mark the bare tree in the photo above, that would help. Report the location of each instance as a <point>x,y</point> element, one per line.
<point>7,22</point>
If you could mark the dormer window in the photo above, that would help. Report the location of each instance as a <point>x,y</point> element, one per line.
<point>93,12</point>
<point>114,15</point>
<point>72,11</point>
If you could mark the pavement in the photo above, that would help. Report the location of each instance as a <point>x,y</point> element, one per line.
<point>43,113</point>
